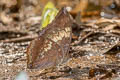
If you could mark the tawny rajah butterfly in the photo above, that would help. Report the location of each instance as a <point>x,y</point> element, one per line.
<point>51,48</point>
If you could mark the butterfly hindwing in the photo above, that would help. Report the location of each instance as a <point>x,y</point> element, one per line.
<point>47,56</point>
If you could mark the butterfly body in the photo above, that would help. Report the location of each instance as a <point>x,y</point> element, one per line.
<point>51,48</point>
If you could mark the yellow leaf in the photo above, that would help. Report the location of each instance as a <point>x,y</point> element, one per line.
<point>49,13</point>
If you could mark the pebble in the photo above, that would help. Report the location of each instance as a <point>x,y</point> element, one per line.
<point>9,60</point>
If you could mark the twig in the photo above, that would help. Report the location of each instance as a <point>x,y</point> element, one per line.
<point>20,39</point>
<point>83,38</point>
<point>118,43</point>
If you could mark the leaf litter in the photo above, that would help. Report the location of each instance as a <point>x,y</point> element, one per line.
<point>94,53</point>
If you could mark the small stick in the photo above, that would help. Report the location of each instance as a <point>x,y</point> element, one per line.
<point>84,38</point>
<point>20,39</point>
<point>118,43</point>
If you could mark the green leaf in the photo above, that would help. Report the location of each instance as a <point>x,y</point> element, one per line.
<point>49,13</point>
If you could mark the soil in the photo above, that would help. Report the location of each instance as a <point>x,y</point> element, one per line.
<point>94,51</point>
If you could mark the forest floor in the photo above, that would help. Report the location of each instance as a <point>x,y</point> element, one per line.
<point>94,51</point>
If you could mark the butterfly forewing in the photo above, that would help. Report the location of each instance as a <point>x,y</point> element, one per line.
<point>60,30</point>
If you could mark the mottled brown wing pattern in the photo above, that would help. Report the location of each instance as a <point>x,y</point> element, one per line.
<point>48,55</point>
<point>52,46</point>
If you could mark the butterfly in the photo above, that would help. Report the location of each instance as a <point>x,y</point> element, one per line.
<point>52,46</point>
